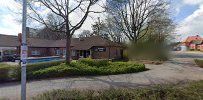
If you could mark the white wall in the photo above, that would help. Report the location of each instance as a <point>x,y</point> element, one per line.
<point>184,48</point>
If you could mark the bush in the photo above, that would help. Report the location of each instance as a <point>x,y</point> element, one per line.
<point>38,66</point>
<point>94,62</point>
<point>150,48</point>
<point>13,73</point>
<point>59,69</point>
<point>80,69</point>
<point>199,62</point>
<point>189,91</point>
<point>4,72</point>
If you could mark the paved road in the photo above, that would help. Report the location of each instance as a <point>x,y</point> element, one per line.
<point>179,69</point>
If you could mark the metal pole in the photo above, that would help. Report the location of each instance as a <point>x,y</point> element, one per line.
<point>23,53</point>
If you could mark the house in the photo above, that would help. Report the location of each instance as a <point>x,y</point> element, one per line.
<point>8,46</point>
<point>192,43</point>
<point>95,47</point>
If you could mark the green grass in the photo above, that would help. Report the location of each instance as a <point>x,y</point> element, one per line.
<point>189,91</point>
<point>199,62</point>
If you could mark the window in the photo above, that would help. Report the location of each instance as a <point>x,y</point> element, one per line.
<point>81,53</point>
<point>116,52</point>
<point>35,52</point>
<point>8,52</point>
<point>73,53</point>
<point>58,52</point>
<point>64,52</point>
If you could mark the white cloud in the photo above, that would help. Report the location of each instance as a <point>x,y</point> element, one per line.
<point>9,25</point>
<point>192,25</point>
<point>192,2</point>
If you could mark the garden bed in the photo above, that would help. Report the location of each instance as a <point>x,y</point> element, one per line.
<point>82,67</point>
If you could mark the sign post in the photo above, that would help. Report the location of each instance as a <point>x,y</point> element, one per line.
<point>23,53</point>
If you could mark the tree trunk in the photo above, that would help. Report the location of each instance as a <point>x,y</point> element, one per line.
<point>68,49</point>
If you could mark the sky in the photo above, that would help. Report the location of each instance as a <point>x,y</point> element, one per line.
<point>187,14</point>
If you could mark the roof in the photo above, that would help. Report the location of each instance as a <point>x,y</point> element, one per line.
<point>198,42</point>
<point>8,41</point>
<point>88,42</point>
<point>34,42</point>
<point>192,38</point>
<point>76,43</point>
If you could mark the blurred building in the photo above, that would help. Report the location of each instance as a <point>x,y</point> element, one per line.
<point>193,43</point>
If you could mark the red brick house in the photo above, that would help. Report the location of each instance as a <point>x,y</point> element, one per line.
<point>95,47</point>
<point>8,46</point>
<point>193,43</point>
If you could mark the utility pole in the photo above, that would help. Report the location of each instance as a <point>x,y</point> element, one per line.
<point>23,52</point>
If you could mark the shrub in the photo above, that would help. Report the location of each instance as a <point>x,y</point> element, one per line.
<point>189,91</point>
<point>13,73</point>
<point>4,72</point>
<point>94,62</point>
<point>55,71</point>
<point>8,73</point>
<point>199,62</point>
<point>38,66</point>
<point>79,68</point>
<point>123,67</point>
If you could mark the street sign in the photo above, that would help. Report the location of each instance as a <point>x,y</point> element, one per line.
<point>23,55</point>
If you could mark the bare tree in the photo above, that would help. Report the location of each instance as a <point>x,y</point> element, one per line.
<point>63,10</point>
<point>133,16</point>
<point>107,29</point>
<point>162,25</point>
<point>46,33</point>
<point>85,33</point>
<point>99,29</point>
<point>114,33</point>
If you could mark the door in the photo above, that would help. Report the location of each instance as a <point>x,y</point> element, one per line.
<point>121,51</point>
<point>1,55</point>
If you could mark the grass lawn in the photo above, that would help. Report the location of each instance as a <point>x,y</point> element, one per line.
<point>82,67</point>
<point>188,91</point>
<point>199,62</point>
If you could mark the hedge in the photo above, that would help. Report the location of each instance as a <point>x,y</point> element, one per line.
<point>60,69</point>
<point>188,91</point>
<point>199,62</point>
<point>13,73</point>
<point>7,72</point>
<point>94,62</point>
<point>81,69</point>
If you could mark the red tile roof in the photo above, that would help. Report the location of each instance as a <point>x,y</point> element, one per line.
<point>192,38</point>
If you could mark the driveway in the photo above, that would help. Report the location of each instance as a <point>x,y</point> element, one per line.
<point>179,68</point>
